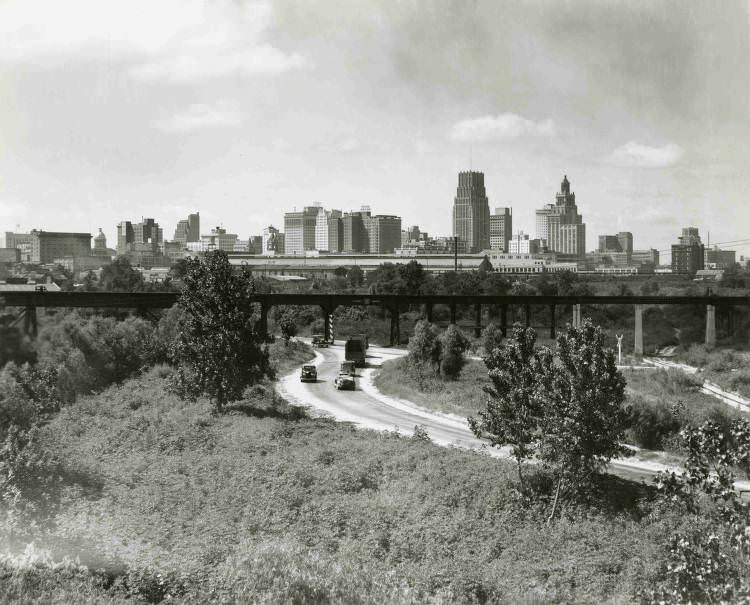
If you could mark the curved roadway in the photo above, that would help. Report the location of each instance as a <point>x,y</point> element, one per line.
<point>368,408</point>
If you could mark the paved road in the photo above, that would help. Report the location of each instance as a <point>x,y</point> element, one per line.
<point>369,409</point>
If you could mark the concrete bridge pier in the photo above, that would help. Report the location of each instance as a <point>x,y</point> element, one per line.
<point>552,327</point>
<point>527,314</point>
<point>504,320</point>
<point>710,325</point>
<point>395,330</point>
<point>638,349</point>
<point>577,316</point>
<point>327,322</point>
<point>453,313</point>
<point>29,321</point>
<point>262,325</point>
<point>477,320</point>
<point>428,311</point>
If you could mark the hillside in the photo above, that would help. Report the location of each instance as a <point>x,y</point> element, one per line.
<point>265,504</point>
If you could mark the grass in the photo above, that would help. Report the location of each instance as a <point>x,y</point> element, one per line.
<point>728,368</point>
<point>166,499</point>
<point>463,396</point>
<point>661,401</point>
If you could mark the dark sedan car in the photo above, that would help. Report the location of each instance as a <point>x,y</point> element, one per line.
<point>309,374</point>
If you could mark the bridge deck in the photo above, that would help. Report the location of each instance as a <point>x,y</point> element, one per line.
<point>161,300</point>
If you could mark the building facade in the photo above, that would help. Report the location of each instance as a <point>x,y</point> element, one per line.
<point>383,233</point>
<point>521,244</point>
<point>561,226</point>
<point>471,212</point>
<point>273,241</point>
<point>49,245</point>
<point>501,229</point>
<point>21,241</point>
<point>355,232</point>
<point>714,258</point>
<point>688,255</point>
<point>645,257</point>
<point>299,230</point>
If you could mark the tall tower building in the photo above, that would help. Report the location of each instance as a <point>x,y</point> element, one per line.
<point>471,212</point>
<point>501,228</point>
<point>299,230</point>
<point>561,225</point>
<point>194,227</point>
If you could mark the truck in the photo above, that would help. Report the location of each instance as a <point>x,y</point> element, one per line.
<point>354,350</point>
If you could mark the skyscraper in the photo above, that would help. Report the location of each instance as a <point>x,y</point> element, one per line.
<point>688,256</point>
<point>383,233</point>
<point>188,230</point>
<point>299,230</point>
<point>501,228</point>
<point>561,225</point>
<point>471,212</point>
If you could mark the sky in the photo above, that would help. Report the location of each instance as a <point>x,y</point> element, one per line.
<point>114,111</point>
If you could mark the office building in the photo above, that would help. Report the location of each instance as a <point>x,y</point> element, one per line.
<point>561,226</point>
<point>501,229</point>
<point>626,241</point>
<point>609,243</point>
<point>383,233</point>
<point>219,239</point>
<point>521,244</point>
<point>142,243</point>
<point>188,230</point>
<point>335,232</point>
<point>714,258</point>
<point>21,241</point>
<point>273,241</point>
<point>49,245</point>
<point>688,254</point>
<point>645,257</point>
<point>299,230</point>
<point>471,212</point>
<point>255,244</point>
<point>354,231</point>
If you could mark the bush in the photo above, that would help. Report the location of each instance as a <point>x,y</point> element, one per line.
<point>492,338</point>
<point>649,424</point>
<point>423,359</point>
<point>453,346</point>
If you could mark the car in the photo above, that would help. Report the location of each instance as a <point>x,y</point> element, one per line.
<point>348,367</point>
<point>319,341</point>
<point>309,374</point>
<point>344,382</point>
<point>40,289</point>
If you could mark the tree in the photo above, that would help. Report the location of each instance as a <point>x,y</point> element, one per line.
<point>218,349</point>
<point>355,276</point>
<point>423,358</point>
<point>706,556</point>
<point>413,277</point>
<point>492,338</point>
<point>119,276</point>
<point>453,345</point>
<point>512,416</point>
<point>583,418</point>
<point>288,327</point>
<point>485,267</point>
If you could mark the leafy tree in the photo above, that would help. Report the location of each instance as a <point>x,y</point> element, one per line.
<point>485,267</point>
<point>412,276</point>
<point>119,276</point>
<point>583,419</point>
<point>89,283</point>
<point>453,346</point>
<point>513,411</point>
<point>218,349</point>
<point>492,338</point>
<point>288,327</point>
<point>340,271</point>
<point>355,276</point>
<point>178,269</point>
<point>423,359</point>
<point>712,545</point>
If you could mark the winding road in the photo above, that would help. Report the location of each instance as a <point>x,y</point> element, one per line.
<point>366,407</point>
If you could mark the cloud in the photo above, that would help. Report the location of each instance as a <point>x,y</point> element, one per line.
<point>199,116</point>
<point>503,126</point>
<point>635,154</point>
<point>172,40</point>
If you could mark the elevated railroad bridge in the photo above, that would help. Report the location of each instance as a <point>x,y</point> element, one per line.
<point>394,303</point>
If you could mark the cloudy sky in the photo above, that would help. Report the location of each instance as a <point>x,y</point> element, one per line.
<point>112,111</point>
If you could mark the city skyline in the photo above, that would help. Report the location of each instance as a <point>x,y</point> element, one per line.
<point>285,104</point>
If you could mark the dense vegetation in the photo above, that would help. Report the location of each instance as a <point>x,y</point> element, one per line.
<point>165,496</point>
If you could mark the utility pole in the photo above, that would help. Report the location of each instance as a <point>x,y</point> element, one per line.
<point>455,253</point>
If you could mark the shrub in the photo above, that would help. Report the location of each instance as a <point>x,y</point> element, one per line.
<point>423,359</point>
<point>650,424</point>
<point>492,338</point>
<point>288,327</point>
<point>453,346</point>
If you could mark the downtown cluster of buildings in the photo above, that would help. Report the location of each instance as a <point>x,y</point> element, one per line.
<point>316,237</point>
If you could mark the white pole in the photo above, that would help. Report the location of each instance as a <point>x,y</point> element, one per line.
<point>619,348</point>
